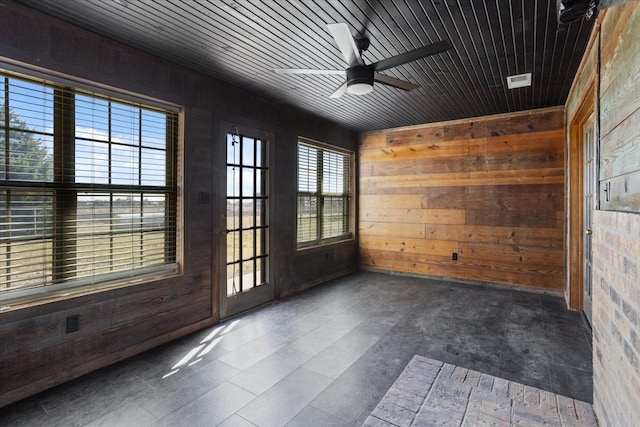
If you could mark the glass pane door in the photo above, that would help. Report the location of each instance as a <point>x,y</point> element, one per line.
<point>588,133</point>
<point>247,222</point>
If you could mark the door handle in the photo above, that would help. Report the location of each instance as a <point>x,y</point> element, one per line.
<point>589,232</point>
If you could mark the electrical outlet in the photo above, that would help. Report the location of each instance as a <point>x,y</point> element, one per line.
<point>73,323</point>
<point>454,256</point>
<point>204,198</point>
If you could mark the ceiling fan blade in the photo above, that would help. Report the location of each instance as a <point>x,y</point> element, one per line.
<point>346,43</point>
<point>307,71</point>
<point>412,55</point>
<point>392,81</point>
<point>340,91</point>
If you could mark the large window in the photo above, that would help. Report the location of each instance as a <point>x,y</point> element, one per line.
<point>87,188</point>
<point>324,194</point>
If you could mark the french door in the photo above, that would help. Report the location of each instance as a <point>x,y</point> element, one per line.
<point>245,281</point>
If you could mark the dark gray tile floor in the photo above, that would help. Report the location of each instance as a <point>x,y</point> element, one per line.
<point>326,357</point>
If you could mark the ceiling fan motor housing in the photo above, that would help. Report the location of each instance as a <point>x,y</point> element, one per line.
<point>360,79</point>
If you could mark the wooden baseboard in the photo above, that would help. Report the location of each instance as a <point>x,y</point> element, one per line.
<point>311,284</point>
<point>521,288</point>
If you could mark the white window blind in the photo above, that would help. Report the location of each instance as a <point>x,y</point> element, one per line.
<point>87,187</point>
<point>324,192</point>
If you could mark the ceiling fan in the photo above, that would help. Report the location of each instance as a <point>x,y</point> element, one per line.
<point>360,76</point>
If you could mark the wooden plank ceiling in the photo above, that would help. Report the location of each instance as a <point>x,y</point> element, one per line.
<point>242,41</point>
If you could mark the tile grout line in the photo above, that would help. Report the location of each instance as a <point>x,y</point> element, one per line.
<point>503,339</point>
<point>544,329</point>
<point>323,411</point>
<point>428,394</point>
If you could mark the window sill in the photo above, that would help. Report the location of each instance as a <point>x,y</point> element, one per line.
<point>324,243</point>
<point>42,296</point>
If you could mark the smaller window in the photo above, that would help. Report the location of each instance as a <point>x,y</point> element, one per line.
<point>324,194</point>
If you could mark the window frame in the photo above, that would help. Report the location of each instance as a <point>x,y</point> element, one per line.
<point>348,195</point>
<point>64,186</point>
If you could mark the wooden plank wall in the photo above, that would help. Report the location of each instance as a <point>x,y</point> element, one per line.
<point>620,113</point>
<point>35,350</point>
<point>489,189</point>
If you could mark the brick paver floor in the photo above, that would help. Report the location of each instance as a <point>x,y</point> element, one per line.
<point>433,393</point>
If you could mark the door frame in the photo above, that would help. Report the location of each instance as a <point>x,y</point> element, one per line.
<point>575,199</point>
<point>230,306</point>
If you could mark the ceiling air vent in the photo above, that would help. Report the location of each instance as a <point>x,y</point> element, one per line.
<point>520,80</point>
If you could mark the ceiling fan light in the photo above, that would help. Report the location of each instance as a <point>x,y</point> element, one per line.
<point>360,80</point>
<point>359,88</point>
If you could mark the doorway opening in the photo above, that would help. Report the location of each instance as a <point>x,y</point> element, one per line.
<point>245,281</point>
<point>581,191</point>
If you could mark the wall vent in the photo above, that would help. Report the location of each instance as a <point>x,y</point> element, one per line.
<point>519,80</point>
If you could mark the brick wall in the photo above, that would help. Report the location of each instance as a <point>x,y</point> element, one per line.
<point>616,239</point>
<point>616,318</point>
<point>616,252</point>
